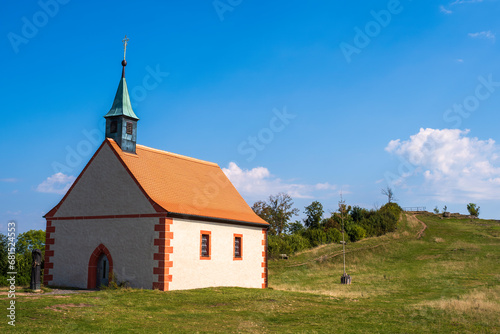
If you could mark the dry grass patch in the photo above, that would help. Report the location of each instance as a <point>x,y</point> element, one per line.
<point>450,266</point>
<point>484,301</point>
<point>428,257</point>
<point>65,307</point>
<point>464,246</point>
<point>346,293</point>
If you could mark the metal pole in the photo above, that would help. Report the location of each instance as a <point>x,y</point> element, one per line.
<point>343,241</point>
<point>343,229</point>
<point>345,279</point>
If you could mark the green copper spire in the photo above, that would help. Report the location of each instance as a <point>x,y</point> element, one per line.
<point>121,104</point>
<point>121,121</point>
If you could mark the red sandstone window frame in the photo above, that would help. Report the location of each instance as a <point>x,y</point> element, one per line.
<point>206,256</point>
<point>236,256</point>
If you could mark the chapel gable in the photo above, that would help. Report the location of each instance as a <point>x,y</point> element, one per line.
<point>104,188</point>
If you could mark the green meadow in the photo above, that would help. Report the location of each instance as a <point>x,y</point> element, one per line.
<point>444,278</point>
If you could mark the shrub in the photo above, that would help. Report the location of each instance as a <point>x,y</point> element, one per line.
<point>333,235</point>
<point>358,213</point>
<point>315,236</point>
<point>286,244</point>
<point>357,233</point>
<point>393,208</point>
<point>473,209</point>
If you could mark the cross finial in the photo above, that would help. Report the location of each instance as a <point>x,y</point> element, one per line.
<point>125,40</point>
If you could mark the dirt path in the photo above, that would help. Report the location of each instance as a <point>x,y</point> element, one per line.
<point>416,220</point>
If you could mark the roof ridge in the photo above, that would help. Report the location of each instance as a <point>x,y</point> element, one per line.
<point>179,156</point>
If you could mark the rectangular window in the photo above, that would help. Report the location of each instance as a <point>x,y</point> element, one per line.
<point>129,128</point>
<point>113,127</point>
<point>205,245</point>
<point>238,247</point>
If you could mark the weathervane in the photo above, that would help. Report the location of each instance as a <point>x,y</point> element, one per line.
<point>124,41</point>
<point>124,62</point>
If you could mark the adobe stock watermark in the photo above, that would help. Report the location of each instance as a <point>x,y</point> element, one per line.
<point>405,169</point>
<point>31,26</point>
<point>223,6</point>
<point>150,82</point>
<point>93,138</point>
<point>372,29</point>
<point>11,271</point>
<point>254,144</point>
<point>203,196</point>
<point>471,103</point>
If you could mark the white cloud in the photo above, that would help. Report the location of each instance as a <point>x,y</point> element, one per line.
<point>454,165</point>
<point>442,9</point>
<point>461,2</point>
<point>325,186</point>
<point>259,182</point>
<point>58,183</point>
<point>448,11</point>
<point>483,35</point>
<point>9,180</point>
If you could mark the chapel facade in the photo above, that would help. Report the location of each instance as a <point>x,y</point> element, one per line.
<point>151,218</point>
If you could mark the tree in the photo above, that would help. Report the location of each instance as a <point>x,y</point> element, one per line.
<point>358,213</point>
<point>26,243</point>
<point>473,209</point>
<point>277,211</point>
<point>314,214</point>
<point>332,222</point>
<point>389,193</point>
<point>296,227</point>
<point>262,210</point>
<point>436,210</point>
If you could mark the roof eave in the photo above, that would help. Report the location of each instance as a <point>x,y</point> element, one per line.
<point>216,219</point>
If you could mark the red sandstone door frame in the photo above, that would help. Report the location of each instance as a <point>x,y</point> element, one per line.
<point>92,269</point>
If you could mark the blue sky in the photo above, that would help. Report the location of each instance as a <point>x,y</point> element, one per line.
<point>309,98</point>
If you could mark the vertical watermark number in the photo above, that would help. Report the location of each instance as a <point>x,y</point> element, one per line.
<point>11,274</point>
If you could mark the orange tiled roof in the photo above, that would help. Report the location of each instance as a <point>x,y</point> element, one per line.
<point>184,185</point>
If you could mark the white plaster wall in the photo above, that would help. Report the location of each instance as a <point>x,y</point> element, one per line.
<point>129,241</point>
<point>105,188</point>
<point>189,272</point>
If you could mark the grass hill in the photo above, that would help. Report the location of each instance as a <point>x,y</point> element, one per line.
<point>432,275</point>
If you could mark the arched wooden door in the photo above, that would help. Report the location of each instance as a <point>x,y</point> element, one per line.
<point>102,271</point>
<point>100,267</point>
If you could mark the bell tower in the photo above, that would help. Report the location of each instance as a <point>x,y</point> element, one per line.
<point>121,121</point>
